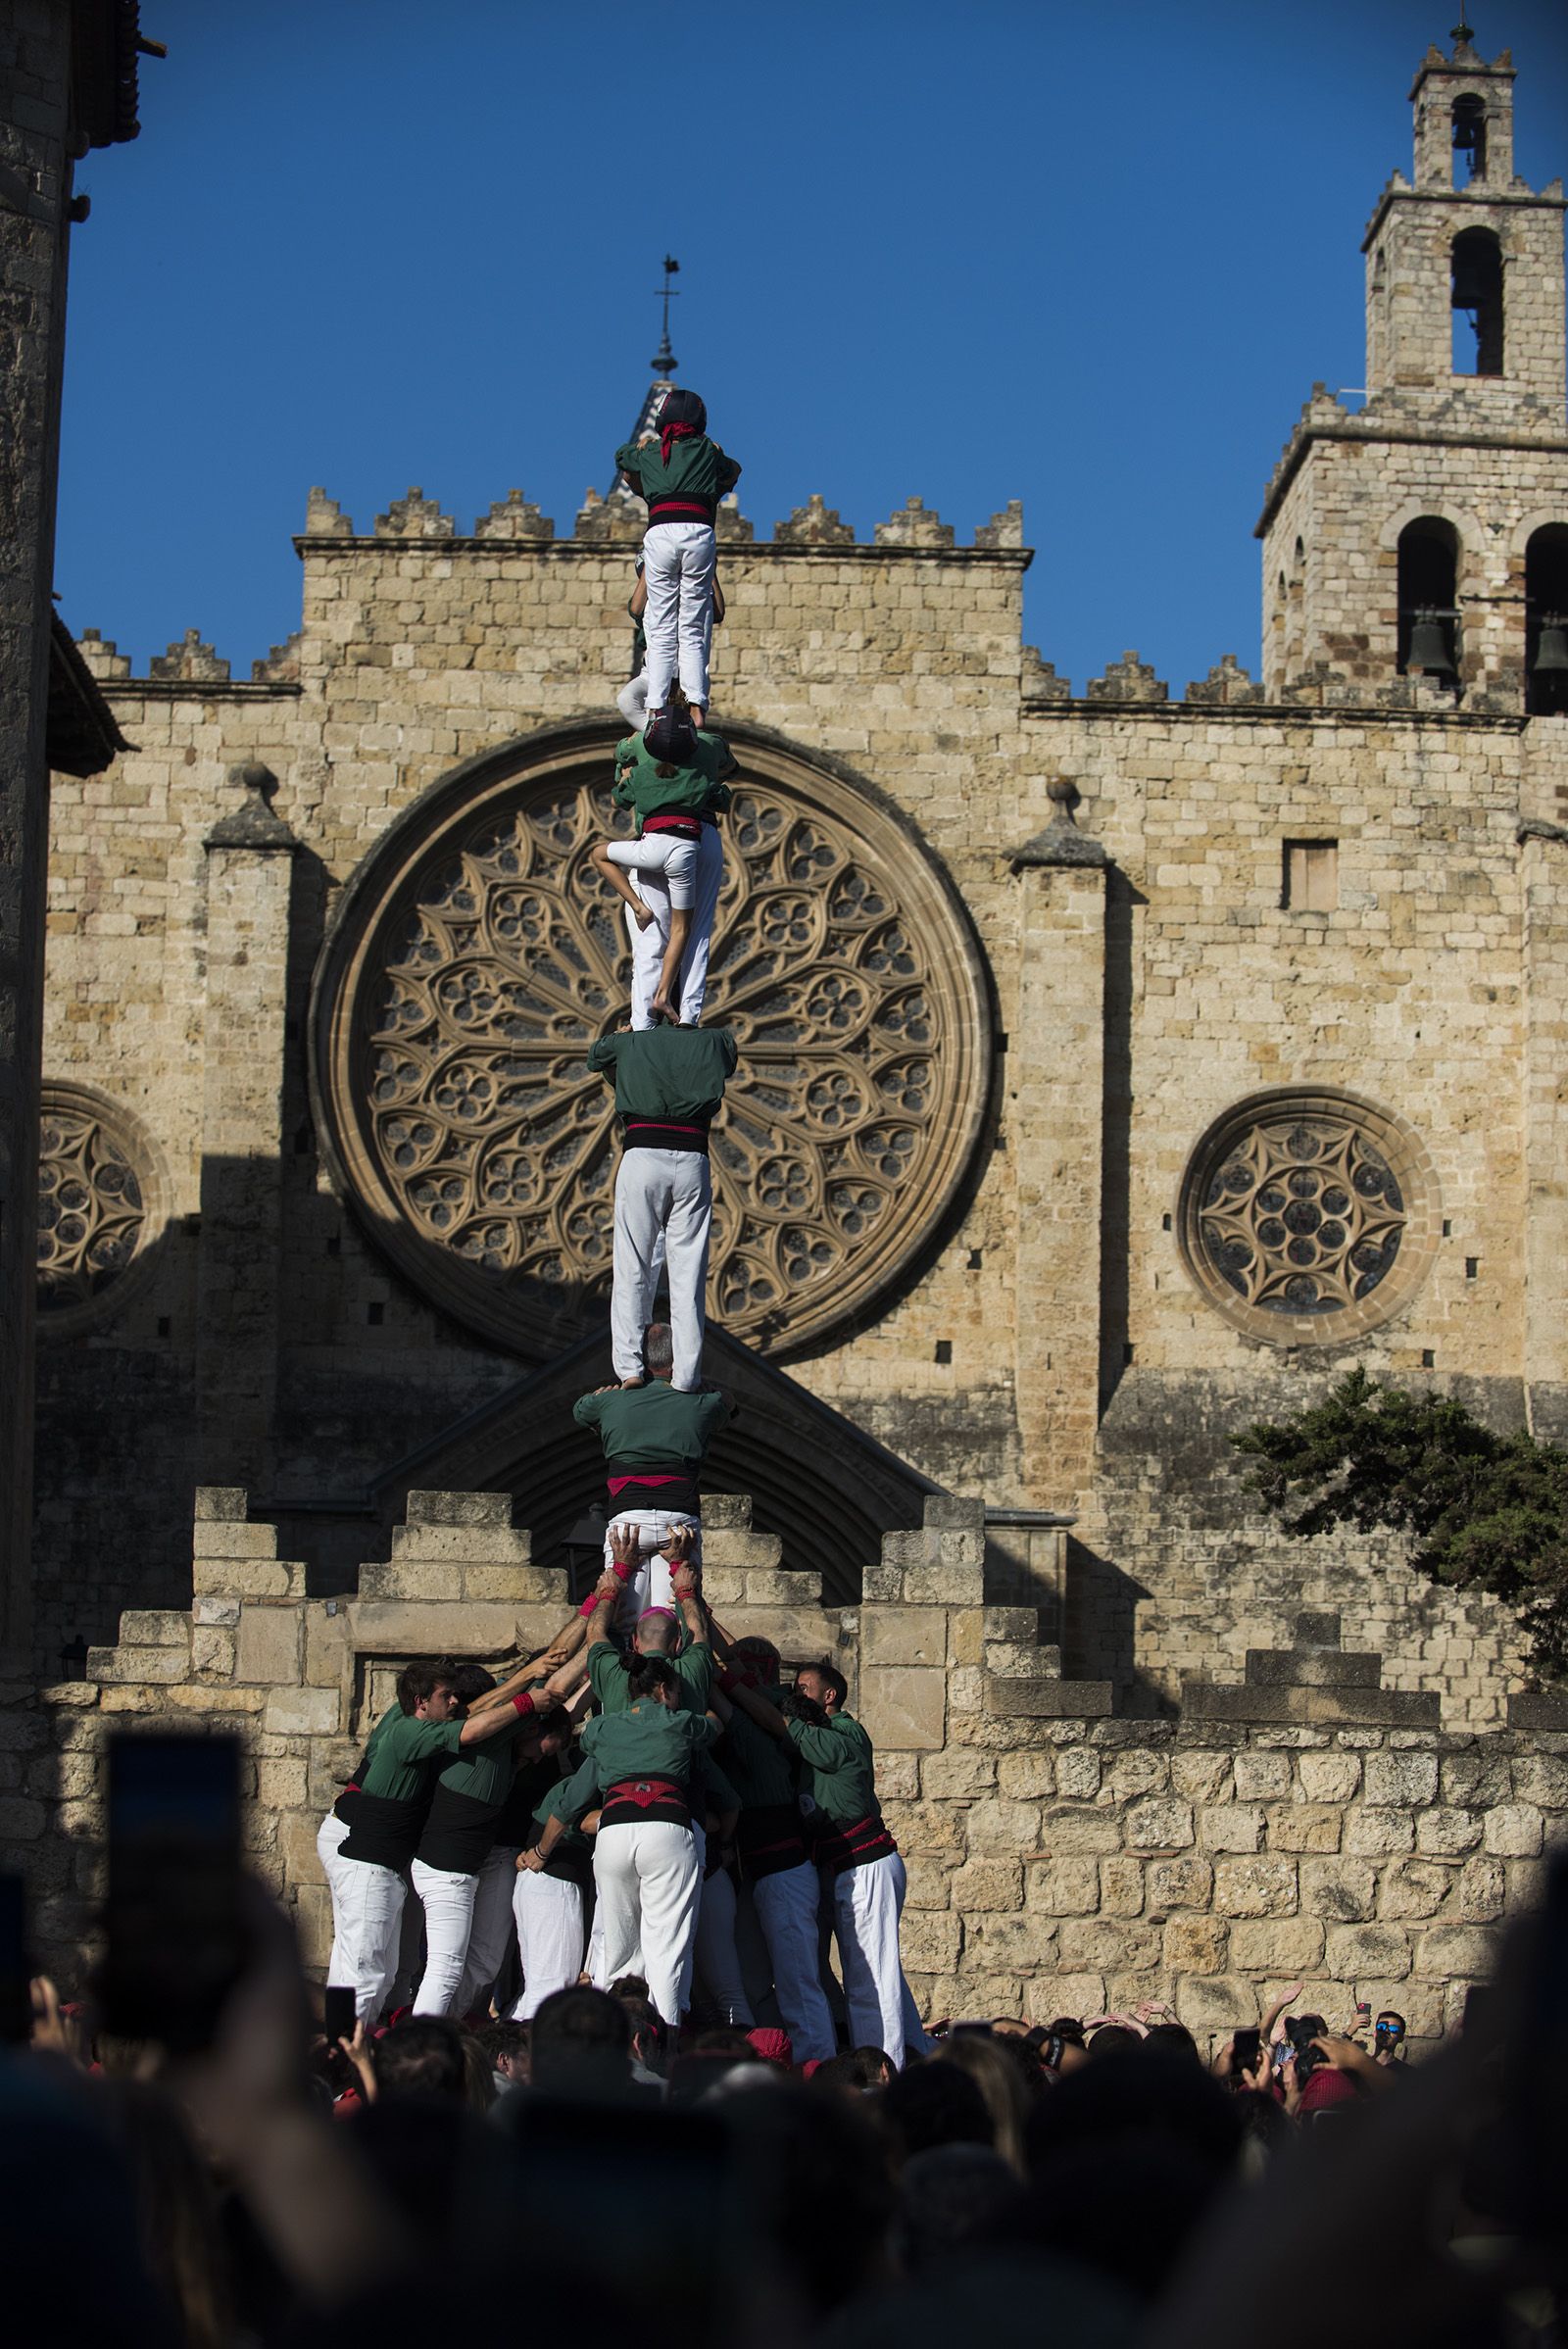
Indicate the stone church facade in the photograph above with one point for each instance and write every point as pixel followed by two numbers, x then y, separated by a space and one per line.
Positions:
pixel 1117 1067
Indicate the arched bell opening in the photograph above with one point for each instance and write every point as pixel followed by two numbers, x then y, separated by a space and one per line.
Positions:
pixel 1428 601
pixel 1546 621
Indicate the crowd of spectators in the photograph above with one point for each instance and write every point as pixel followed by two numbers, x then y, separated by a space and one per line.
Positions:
pixel 1092 2181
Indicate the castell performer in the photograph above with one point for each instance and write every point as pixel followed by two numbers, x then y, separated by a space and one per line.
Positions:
pixel 682 475
pixel 643 1770
pixel 774 1861
pixel 670 1085
pixel 671 873
pixel 369 1876
pixel 632 699
pixel 655 1439
pixel 853 1847
pixel 462 1875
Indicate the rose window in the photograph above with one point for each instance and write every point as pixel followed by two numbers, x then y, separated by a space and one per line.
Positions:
pixel 1308 1217
pixel 99 1201
pixel 479 956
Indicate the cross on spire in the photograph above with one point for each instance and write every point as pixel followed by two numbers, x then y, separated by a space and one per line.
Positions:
pixel 663 364
pixel 663 361
pixel 1462 35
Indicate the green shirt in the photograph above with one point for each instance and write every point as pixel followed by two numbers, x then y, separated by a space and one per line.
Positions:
pixel 840 1767
pixel 551 1808
pixel 483 1772
pixel 697 467
pixel 401 1750
pixel 653 1427
pixel 652 786
pixel 671 1075
pixel 612 1682
pixel 648 1740
pixel 758 1764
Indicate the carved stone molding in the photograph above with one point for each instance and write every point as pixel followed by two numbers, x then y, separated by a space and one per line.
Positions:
pixel 103 1201
pixel 476 957
pixel 1308 1217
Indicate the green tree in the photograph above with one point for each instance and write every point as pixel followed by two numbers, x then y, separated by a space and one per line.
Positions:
pixel 1486 1512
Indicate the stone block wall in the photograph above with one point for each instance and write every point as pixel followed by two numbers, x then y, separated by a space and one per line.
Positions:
pixel 1307 1821
pixel 36 67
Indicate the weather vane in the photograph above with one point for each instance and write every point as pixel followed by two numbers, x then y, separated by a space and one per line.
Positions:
pixel 664 363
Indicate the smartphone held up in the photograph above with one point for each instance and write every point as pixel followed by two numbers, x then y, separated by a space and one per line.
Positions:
pixel 173 1920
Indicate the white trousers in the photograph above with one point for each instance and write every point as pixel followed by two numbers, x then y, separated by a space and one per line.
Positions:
pixel 491 1928
pixel 786 1909
pixel 548 1916
pixel 328 1836
pixel 650 1585
pixel 667 1192
pixel 448 1899
pixel 717 1960
pixel 648 945
pixel 868 1902
pixel 648 1880
pixel 678 560
pixel 367 1913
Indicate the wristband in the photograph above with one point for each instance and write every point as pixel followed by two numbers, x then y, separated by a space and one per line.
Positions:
pixel 522 1705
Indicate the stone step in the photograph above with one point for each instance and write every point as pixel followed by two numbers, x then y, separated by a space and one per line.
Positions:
pixel 1299 1707
pixel 154 1627
pixel 1314 1668
pixel 1538 1710
pixel 1012 1661
pixel 1053 1699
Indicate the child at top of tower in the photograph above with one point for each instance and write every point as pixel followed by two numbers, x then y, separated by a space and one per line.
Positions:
pixel 682 475
pixel 671 872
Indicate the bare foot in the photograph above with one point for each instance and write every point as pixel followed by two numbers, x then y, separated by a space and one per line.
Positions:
pixel 661 1008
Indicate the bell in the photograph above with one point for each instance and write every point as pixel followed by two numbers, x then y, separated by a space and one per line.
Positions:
pixel 1552 646
pixel 1429 645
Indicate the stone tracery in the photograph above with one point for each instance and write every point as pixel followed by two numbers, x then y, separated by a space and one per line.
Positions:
pixel 1308 1217
pixel 97 1202
pixel 840 964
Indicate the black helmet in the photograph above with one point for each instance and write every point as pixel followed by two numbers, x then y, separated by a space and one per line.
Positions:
pixel 682 408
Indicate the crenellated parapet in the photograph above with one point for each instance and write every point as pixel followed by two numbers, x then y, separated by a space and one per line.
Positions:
pixel 514 516
pixel 915 525
pixel 813 524
pixel 1128 679
pixel 414 516
pixel 103 657
pixel 1227 684
pixel 188 660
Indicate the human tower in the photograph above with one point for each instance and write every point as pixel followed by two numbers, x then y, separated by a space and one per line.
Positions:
pixel 468 1791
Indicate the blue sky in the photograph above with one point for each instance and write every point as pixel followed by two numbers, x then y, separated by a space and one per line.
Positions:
pixel 1092 257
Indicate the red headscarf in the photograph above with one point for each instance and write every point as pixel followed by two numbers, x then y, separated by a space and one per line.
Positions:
pixel 669 432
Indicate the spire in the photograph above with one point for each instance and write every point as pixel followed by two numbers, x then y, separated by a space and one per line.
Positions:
pixel 663 361
pixel 663 364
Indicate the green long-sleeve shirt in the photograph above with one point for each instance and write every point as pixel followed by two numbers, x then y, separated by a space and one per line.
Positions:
pixel 483 1773
pixel 697 469
pixel 759 1765
pixel 840 1767
pixel 611 1682
pixel 648 1740
pixel 670 1076
pixel 401 1751
pixel 652 785
pixel 655 1427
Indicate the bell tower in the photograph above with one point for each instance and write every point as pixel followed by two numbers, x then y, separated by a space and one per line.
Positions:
pixel 1416 549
